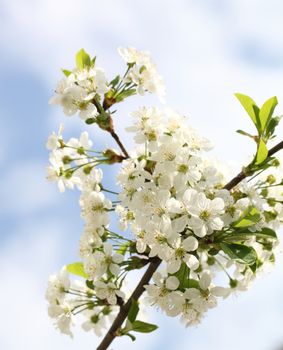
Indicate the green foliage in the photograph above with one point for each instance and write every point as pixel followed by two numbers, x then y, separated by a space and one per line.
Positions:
pixel 266 233
pixel 265 124
pixel 134 310
pixel 77 269
pixel 242 132
pixel 266 111
pixel 262 152
pixel 250 106
pixel 124 94
pixel 123 248
pixel 66 72
pixel 183 276
pixel 143 327
pixel 89 284
pixel 90 121
pixel 115 81
pixel 83 59
pixel 134 263
pixel 240 253
pixel 249 218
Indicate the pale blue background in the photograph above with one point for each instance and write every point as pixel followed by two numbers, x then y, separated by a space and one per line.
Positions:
pixel 206 50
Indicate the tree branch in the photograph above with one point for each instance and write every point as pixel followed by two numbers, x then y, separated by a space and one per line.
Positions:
pixel 124 310
pixel 117 139
pixel 241 176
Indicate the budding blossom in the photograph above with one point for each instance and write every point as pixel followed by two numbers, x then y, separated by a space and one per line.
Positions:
pixel 172 205
pixel 142 72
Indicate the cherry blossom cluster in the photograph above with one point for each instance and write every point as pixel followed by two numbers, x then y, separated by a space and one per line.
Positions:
pixel 208 240
pixel 173 200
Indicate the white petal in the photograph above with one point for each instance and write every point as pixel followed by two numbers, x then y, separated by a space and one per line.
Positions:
pixel 191 261
pixel 107 248
pixel 173 266
pixel 220 291
pixel 117 258
pixel 114 269
pixel 216 224
pixel 202 202
pixel 205 281
pixel 216 205
pixel 191 293
pixel 190 244
pixel 172 283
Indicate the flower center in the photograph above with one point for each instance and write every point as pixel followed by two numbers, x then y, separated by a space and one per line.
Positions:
pixel 205 215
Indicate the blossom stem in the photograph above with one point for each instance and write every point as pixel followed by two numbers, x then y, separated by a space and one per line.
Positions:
pixel 108 191
pixel 124 310
pixel 117 139
pixel 242 175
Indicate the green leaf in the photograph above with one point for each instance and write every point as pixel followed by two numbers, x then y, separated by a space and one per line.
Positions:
pixel 133 338
pixel 77 269
pixel 66 72
pixel 134 263
pixel 143 327
pixel 242 132
pixel 89 284
pixel 90 121
pixel 82 59
pixel 92 62
pixel 125 94
pixel 262 152
pixel 123 248
pixel 183 276
pixel 251 108
pixel 115 81
pixel 134 310
pixel 266 232
pixel 267 110
pixel 250 217
pixel 270 128
pixel 240 253
pixel 242 235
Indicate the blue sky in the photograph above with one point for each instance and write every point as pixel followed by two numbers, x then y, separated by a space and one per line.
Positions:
pixel 206 51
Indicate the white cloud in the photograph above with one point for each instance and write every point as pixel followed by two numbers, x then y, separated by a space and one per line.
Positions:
pixel 24 188
pixel 26 260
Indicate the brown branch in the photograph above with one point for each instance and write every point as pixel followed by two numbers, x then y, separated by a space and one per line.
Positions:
pixel 117 139
pixel 242 175
pixel 124 310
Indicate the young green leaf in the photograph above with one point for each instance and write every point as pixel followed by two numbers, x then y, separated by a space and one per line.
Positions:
pixel 183 275
pixel 82 59
pixel 267 110
pixel 262 152
pixel 251 108
pixel 270 128
pixel 249 218
pixel 267 232
pixel 115 81
pixel 242 132
pixel 123 248
pixel 66 72
pixel 125 94
pixel 143 327
pixel 77 269
pixel 89 284
pixel 90 121
pixel 133 338
pixel 240 253
pixel 134 310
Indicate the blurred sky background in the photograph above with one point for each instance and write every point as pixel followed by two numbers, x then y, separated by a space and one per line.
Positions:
pixel 206 50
